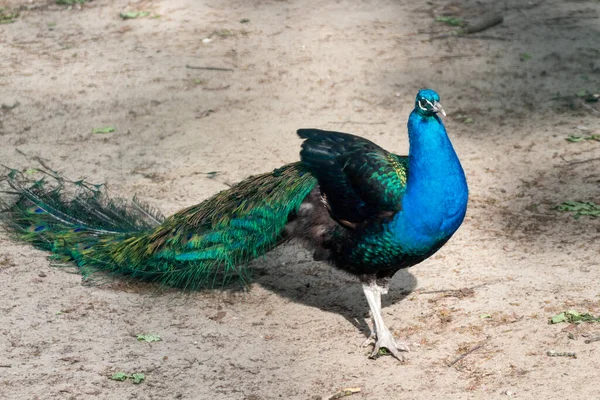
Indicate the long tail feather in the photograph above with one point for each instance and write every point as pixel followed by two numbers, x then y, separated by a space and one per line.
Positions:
pixel 196 247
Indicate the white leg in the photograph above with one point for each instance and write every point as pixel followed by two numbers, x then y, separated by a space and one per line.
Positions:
pixel 384 337
pixel 374 300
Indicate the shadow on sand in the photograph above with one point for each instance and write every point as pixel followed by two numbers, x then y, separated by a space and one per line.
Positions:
pixel 291 273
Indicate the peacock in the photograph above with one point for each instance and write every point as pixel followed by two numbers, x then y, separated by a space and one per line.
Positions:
pixel 361 209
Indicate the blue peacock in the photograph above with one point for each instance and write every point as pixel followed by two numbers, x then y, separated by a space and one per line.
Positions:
pixel 356 206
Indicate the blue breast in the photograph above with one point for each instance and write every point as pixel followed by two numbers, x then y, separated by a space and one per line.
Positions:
pixel 435 201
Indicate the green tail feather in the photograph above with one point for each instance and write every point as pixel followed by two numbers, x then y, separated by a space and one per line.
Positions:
pixel 200 246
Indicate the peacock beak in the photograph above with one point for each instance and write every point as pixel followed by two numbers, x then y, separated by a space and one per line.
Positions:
pixel 437 107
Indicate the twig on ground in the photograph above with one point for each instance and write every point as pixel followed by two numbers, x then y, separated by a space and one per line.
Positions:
pixel 443 57
pixel 462 356
pixel 343 393
pixel 590 108
pixel 446 291
pixel 462 290
pixel 483 24
pixel 590 340
pixel 42 163
pixel 209 68
pixel 569 354
pixel 485 37
pixel 444 36
pixel 214 89
pixel 21 152
pixel 480 26
pixel 563 17
pixel 583 161
pixel 5 365
pixel 205 113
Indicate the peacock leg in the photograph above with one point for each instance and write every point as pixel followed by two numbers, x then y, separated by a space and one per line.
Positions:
pixel 372 339
pixel 385 339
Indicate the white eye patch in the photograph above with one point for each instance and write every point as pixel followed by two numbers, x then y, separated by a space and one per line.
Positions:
pixel 421 106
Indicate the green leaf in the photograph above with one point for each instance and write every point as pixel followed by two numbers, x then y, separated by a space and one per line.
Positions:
pixel 485 316
pixel 7 18
pixel 525 56
pixel 573 317
pixel 148 338
pixel 465 119
pixel 106 129
pixel 581 93
pixel 133 14
pixel 558 318
pixel 383 352
pixel 574 138
pixel 451 21
pixel 120 376
pixel 244 21
pixel 129 15
pixel 579 208
pixel 138 378
pixel 70 2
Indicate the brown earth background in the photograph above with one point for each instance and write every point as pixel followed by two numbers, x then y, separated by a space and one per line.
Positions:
pixel 513 94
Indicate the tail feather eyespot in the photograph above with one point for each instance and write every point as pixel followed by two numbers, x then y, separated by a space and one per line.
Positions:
pixel 37 228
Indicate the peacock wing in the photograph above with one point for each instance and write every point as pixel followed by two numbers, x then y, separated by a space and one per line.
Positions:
pixel 379 178
pixel 360 180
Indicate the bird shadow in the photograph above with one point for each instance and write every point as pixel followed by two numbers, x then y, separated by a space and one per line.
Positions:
pixel 291 273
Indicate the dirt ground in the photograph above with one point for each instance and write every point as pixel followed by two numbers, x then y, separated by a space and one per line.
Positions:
pixel 513 94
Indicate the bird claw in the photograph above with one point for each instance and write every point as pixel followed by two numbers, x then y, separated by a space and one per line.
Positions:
pixel 370 340
pixel 386 341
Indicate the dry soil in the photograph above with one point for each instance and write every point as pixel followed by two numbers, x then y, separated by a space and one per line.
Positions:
pixel 513 93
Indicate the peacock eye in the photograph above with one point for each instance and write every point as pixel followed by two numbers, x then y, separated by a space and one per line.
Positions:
pixel 423 104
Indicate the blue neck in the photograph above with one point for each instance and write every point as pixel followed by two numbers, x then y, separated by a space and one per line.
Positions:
pixel 435 200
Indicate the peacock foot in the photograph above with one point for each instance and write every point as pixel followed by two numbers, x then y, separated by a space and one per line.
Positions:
pixel 370 340
pixel 385 340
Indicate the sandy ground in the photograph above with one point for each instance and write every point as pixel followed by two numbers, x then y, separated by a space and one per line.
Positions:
pixel 350 65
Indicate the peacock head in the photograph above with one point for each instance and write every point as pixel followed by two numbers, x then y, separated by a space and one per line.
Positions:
pixel 428 103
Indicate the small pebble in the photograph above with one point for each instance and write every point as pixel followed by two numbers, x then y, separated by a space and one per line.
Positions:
pixel 42 275
pixel 9 105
